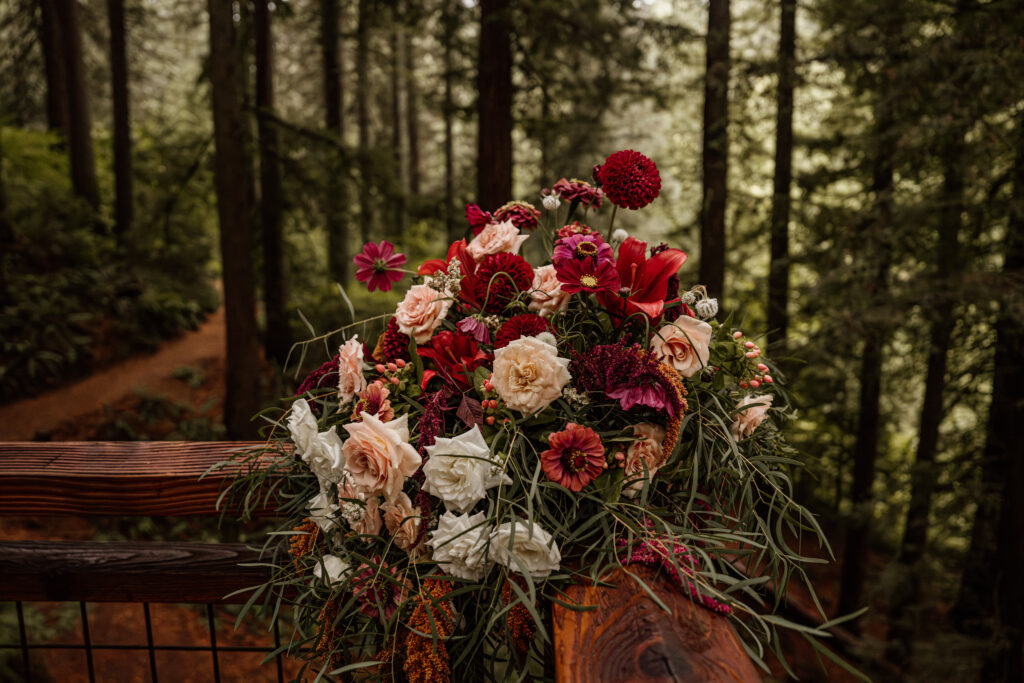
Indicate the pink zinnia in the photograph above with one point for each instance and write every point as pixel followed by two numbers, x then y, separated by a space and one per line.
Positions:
pixel 583 246
pixel 379 265
pixel 575 457
pixel 588 275
pixel 379 589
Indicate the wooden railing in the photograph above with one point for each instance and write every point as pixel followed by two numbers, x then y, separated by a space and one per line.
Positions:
pixel 626 638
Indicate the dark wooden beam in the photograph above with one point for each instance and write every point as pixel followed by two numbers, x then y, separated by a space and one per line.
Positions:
pixel 127 572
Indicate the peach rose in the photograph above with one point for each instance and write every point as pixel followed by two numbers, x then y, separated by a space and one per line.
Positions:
pixel 403 521
pixel 546 295
pixel 683 345
pixel 644 455
pixel 370 523
pixel 378 456
pixel 496 238
pixel 350 370
pixel 752 411
pixel 421 311
pixel 529 375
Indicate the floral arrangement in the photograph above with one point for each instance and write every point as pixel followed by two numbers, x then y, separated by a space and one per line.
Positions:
pixel 518 427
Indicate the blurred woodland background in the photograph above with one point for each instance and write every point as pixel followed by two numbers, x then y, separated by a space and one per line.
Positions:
pixel 846 174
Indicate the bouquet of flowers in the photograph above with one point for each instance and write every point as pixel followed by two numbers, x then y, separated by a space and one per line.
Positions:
pixel 518 427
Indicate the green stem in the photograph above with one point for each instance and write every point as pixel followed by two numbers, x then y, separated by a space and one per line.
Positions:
pixel 611 223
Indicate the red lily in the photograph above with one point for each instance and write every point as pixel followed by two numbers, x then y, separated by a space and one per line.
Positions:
pixel 457 250
pixel 644 280
pixel 455 356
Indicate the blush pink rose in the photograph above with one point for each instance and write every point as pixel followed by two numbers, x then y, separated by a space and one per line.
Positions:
pixel 683 344
pixel 378 456
pixel 495 239
pixel 350 370
pixel 402 521
pixel 421 311
pixel 644 455
pixel 752 411
pixel 546 295
pixel 370 523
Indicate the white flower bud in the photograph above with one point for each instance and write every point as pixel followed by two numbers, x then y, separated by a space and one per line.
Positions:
pixel 618 237
pixel 551 202
pixel 689 298
pixel 707 308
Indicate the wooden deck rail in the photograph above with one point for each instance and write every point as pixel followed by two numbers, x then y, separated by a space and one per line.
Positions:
pixel 627 638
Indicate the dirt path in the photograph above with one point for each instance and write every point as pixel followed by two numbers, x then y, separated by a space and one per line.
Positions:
pixel 152 374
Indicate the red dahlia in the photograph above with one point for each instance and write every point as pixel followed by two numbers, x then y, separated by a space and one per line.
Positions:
pixel 629 179
pixel 525 325
pixel 574 228
pixel 524 216
pixel 500 278
pixel 575 457
pixel 395 345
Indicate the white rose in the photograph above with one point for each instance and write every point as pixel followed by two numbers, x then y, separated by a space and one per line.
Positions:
pixel 519 546
pixel 752 411
pixel 322 511
pixel 683 345
pixel 350 370
pixel 529 374
pixel 302 426
pixel 325 457
pixel 336 569
pixel 460 470
pixel 459 545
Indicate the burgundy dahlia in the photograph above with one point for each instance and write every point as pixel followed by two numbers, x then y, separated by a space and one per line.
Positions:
pixel 629 375
pixel 629 179
pixel 577 190
pixel 575 457
pixel 395 345
pixel 582 246
pixel 524 216
pixel 587 275
pixel 324 376
pixel 524 325
pixel 499 280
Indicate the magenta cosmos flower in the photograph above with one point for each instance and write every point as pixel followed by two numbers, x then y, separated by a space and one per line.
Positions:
pixel 575 457
pixel 379 266
pixel 587 275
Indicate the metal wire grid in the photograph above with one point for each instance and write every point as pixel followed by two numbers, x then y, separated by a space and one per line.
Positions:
pixel 150 647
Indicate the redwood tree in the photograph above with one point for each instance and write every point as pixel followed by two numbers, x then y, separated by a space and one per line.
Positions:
pixel 83 165
pixel 339 254
pixel 123 202
pixel 366 199
pixel 778 277
pixel 716 149
pixel 494 105
pixel 241 400
pixel 52 41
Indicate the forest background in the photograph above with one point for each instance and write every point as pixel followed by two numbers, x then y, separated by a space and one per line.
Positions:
pixel 845 174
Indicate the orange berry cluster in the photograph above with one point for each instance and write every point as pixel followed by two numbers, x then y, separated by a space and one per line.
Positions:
pixel 304 542
pixel 426 659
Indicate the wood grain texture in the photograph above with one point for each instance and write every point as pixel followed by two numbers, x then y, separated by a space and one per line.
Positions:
pixel 126 572
pixel 630 638
pixel 113 478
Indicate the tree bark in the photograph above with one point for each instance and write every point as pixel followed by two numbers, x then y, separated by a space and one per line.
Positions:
pixel 449 20
pixel 778 277
pixel 398 224
pixel 366 198
pixel 6 234
pixel 52 41
pixel 494 105
pixel 241 399
pixel 124 195
pixel 277 340
pixel 412 117
pixel 716 150
pixel 339 253
pixel 80 154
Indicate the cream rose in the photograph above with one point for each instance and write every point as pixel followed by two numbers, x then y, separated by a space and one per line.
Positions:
pixel 421 311
pixel 644 457
pixel 325 457
pixel 335 567
pixel 752 411
pixel 350 370
pixel 546 295
pixel 302 426
pixel 402 521
pixel 378 456
pixel 525 548
pixel 460 470
pixel 529 374
pixel 496 238
pixel 683 345
pixel 322 511
pixel 459 545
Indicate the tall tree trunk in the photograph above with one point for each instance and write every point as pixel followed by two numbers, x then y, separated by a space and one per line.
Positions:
pixel 124 199
pixel 778 278
pixel 716 150
pixel 366 198
pixel 865 450
pixel 339 253
pixel 6 234
pixel 83 165
pixel 412 116
pixel 52 40
pixel 494 105
pixel 923 476
pixel 449 21
pixel 398 217
pixel 277 340
pixel 990 601
pixel 241 400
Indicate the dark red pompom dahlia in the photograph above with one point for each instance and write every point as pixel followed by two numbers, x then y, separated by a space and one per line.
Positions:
pixel 524 325
pixel 629 179
pixel 523 215
pixel 500 278
pixel 395 345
